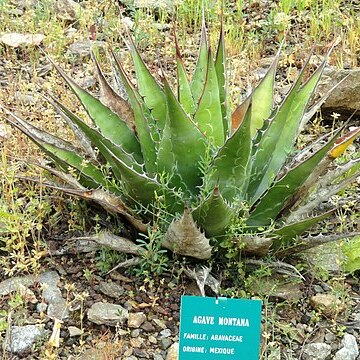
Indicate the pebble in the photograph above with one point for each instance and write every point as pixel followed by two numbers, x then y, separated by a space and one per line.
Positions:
pixel 173 352
pixel 316 351
pixel 74 331
pixel 107 314
pixel 23 337
pixel 165 343
pixel 111 289
pixel 135 333
pixel 165 333
pixel 349 350
pixel 327 304
pixel 148 326
pixel 135 320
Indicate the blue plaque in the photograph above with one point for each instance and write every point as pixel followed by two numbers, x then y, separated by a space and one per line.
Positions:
pixel 219 328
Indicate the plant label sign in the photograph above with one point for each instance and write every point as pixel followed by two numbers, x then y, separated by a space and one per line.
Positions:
pixel 219 328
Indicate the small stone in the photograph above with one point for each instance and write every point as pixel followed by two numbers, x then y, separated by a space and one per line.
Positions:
pixel 74 331
pixel 173 352
pixel 327 304
pixel 108 314
pixel 23 337
pixel 152 339
pixel 140 353
pixel 135 320
pixel 13 284
pixel 350 349
pixel 137 342
pixel 52 295
pixel 135 333
pixel 111 289
pixel 165 333
pixel 41 307
pixel 159 323
pixel 148 326
pixel 165 343
pixel 157 357
pixel 316 351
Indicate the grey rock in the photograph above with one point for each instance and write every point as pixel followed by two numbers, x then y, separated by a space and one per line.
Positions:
pixel 83 48
pixel 52 295
pixel 316 351
pixel 349 350
pixel 111 289
pixel 328 257
pixel 346 97
pixel 109 314
pixel 135 333
pixel 135 320
pixel 74 331
pixel 157 357
pixel 41 307
pixel 14 284
pixel 165 343
pixel 165 333
pixel 23 337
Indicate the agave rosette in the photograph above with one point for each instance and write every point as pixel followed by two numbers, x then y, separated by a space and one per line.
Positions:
pixel 204 164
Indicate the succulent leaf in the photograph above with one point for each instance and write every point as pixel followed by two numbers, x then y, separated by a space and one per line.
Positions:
pixel 183 237
pixel 111 99
pixel 188 143
pixel 289 232
pixel 184 91
pixel 279 138
pixel 149 89
pixel 214 215
pixel 208 115
pixel 220 68
pixel 270 205
pixel 198 80
pixel 109 123
pixel 145 125
pixel 232 162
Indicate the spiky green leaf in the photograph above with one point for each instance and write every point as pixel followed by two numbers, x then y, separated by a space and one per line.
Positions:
pixel 208 115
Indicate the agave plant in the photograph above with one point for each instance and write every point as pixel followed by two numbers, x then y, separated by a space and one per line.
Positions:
pixel 186 158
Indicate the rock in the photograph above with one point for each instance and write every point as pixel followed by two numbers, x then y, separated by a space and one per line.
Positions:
pixel 165 333
pixel 74 331
pixel 316 351
pixel 135 320
pixel 41 307
pixel 159 323
pixel 329 257
pixel 137 342
pixel 155 4
pixel 16 39
pixel 350 349
pixel 111 289
pixel 66 9
pixel 327 304
pixel 108 314
pixel 52 295
pixel 23 337
pixel 83 48
pixel 173 352
pixel 14 284
pixel 148 326
pixel 346 97
pixel 157 357
pixel 165 343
